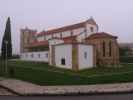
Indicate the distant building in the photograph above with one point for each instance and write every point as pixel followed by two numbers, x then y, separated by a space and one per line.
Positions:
pixel 77 46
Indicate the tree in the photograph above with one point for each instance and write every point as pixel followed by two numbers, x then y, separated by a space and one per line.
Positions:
pixel 124 51
pixel 6 49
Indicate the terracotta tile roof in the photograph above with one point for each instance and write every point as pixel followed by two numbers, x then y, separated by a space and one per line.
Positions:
pixel 37 44
pixel 62 29
pixel 100 35
pixel 75 43
pixel 69 27
pixel 69 39
pixel 45 43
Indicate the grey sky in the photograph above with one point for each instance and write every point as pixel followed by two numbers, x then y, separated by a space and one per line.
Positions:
pixel 115 16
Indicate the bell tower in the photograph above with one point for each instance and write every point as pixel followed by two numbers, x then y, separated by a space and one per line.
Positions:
pixel 27 36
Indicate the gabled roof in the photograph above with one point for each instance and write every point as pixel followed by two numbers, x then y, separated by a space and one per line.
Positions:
pixel 100 35
pixel 91 21
pixel 69 27
pixel 62 29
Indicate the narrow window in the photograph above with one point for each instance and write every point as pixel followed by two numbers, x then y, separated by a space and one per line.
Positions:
pixel 85 55
pixel 60 35
pixel 46 55
pixel 85 30
pixel 26 55
pixel 110 46
pixel 32 55
pixel 44 37
pixel 52 36
pixel 63 61
pixel 28 40
pixel 38 55
pixel 92 29
pixel 103 48
pixel 71 33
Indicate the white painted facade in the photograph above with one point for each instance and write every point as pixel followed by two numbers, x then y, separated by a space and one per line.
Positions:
pixel 63 52
pixel 81 36
pixel 41 38
pixel 88 27
pixel 48 37
pixel 35 56
pixel 53 42
pixel 85 52
pixel 88 32
pixel 57 35
pixel 81 33
pixel 78 31
pixel 66 34
pixel 85 59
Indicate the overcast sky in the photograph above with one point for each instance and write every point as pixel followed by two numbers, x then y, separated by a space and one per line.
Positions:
pixel 114 16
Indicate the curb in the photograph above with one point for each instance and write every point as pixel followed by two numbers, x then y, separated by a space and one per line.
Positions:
pixel 66 94
pixel 10 90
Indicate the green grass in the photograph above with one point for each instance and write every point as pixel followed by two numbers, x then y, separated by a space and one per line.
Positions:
pixel 43 74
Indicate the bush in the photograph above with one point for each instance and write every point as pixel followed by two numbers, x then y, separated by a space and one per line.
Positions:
pixel 15 57
pixel 126 59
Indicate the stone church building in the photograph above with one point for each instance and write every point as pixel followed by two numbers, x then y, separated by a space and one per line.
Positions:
pixel 78 46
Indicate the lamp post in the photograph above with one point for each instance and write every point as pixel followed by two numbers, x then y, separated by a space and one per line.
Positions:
pixel 6 42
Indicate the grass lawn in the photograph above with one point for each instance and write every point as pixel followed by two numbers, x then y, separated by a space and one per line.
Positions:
pixel 43 74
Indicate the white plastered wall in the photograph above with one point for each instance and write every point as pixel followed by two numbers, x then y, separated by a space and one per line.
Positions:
pixel 35 56
pixel 41 38
pixel 88 26
pixel 85 62
pixel 63 51
pixel 53 42
pixel 48 37
pixel 88 32
pixel 66 34
pixel 78 31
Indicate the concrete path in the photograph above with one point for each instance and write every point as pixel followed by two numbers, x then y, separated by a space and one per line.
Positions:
pixel 5 92
pixel 26 88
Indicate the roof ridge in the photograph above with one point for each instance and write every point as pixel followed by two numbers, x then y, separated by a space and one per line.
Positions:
pixel 69 27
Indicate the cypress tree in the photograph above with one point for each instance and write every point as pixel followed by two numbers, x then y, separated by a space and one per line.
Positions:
pixel 6 42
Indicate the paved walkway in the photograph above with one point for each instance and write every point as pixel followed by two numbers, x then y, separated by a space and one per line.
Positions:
pixel 4 92
pixel 25 88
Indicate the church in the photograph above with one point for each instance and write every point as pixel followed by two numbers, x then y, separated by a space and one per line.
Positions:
pixel 75 47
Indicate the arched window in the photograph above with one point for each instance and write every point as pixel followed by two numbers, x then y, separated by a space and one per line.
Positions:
pixel 103 48
pixel 60 35
pixel 85 55
pixel 92 29
pixel 46 55
pixel 110 46
pixel 39 55
pixel 32 55
pixel 71 33
pixel 44 37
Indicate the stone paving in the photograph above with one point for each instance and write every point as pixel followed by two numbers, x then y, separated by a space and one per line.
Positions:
pixel 4 92
pixel 25 88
